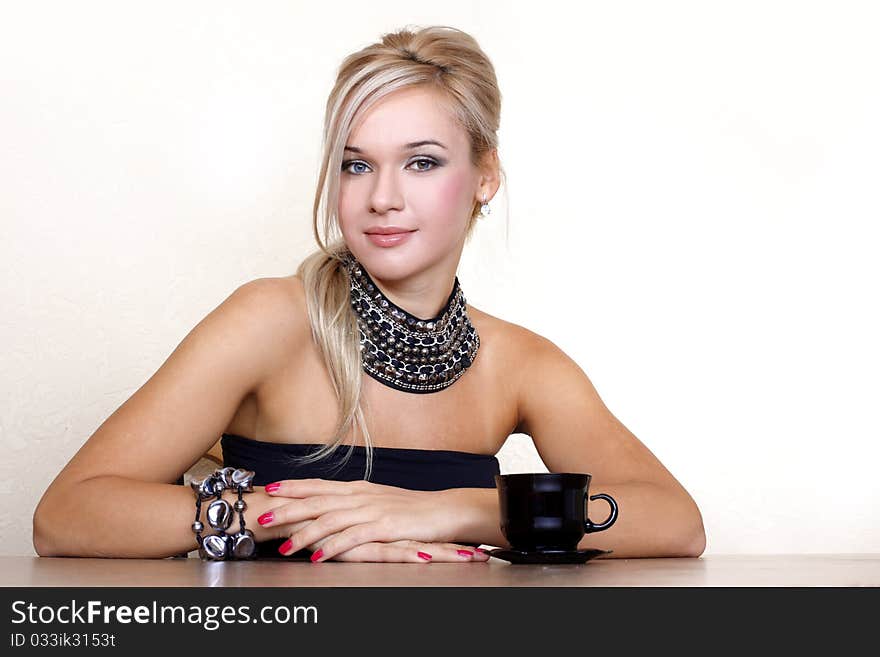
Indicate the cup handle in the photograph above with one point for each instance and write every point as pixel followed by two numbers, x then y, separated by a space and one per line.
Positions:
pixel 590 527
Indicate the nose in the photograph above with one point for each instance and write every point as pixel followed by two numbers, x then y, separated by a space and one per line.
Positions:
pixel 386 194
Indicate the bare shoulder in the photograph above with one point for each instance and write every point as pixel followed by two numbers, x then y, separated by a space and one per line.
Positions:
pixel 265 322
pixel 279 293
pixel 524 357
pixel 177 414
pixel 276 307
pixel 510 348
pixel 516 341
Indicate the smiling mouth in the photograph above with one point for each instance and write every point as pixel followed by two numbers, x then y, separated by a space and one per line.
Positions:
pixel 385 240
pixel 391 232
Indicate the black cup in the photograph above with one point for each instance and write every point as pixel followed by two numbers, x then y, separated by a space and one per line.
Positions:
pixel 547 511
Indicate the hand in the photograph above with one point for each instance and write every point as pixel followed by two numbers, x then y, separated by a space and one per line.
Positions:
pixel 346 515
pixel 408 552
pixel 404 551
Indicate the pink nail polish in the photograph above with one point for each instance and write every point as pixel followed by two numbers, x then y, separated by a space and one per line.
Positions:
pixel 266 518
pixel 465 553
pixel 285 546
pixel 425 556
pixel 317 555
pixel 482 550
pixel 271 488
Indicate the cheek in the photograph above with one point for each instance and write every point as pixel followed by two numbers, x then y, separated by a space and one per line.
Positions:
pixel 449 197
pixel 347 210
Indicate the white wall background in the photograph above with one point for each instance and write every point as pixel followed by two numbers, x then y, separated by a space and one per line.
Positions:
pixel 693 218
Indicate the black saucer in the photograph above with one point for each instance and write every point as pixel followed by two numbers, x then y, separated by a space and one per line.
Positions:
pixel 546 556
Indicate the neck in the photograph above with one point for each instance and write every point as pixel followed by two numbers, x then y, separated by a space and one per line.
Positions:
pixel 425 298
pixel 423 294
pixel 401 344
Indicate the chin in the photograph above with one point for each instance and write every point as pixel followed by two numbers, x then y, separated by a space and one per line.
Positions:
pixel 385 270
pixel 388 266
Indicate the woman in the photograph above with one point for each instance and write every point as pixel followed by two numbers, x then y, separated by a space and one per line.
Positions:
pixel 370 347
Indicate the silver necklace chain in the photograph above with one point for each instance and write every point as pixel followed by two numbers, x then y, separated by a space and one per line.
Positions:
pixel 406 352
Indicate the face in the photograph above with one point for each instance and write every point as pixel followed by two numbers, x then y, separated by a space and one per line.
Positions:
pixel 428 189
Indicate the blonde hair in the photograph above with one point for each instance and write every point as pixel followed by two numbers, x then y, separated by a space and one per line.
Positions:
pixel 445 60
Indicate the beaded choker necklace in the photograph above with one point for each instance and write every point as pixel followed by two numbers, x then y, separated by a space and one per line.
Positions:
pixel 406 352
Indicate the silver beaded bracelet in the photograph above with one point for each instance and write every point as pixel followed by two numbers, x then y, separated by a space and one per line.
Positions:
pixel 223 546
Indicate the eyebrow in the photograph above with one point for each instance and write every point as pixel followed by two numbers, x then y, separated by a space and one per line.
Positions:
pixel 406 147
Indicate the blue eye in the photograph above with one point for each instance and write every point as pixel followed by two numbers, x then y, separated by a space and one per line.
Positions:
pixel 350 163
pixel 345 165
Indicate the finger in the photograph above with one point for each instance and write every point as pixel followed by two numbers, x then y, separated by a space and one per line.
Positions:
pixel 409 552
pixel 351 527
pixel 453 552
pixel 481 554
pixel 310 487
pixel 306 509
pixel 371 531
pixel 284 531
pixel 385 553
pixel 465 552
pixel 284 550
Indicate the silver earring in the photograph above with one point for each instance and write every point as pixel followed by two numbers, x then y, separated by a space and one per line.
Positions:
pixel 484 209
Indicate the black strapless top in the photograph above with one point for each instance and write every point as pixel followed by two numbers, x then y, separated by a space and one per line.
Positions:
pixel 415 469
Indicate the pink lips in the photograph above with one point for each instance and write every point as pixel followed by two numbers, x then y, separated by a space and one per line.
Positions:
pixel 391 239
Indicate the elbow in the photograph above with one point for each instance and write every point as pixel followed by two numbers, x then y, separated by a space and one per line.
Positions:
pixel 696 544
pixel 40 538
pixel 45 543
pixel 42 546
pixel 687 535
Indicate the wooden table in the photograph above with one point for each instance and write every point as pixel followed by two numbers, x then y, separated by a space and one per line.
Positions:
pixel 828 570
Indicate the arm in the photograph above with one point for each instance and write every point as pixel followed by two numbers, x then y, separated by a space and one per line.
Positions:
pixel 574 431
pixel 138 519
pixel 115 497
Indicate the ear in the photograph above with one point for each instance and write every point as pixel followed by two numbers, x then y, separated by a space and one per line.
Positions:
pixel 490 177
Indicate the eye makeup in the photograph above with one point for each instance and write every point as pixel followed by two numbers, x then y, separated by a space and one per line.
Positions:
pixel 434 162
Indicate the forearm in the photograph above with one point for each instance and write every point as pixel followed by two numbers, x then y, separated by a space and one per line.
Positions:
pixel 473 516
pixel 653 521
pixel 113 516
